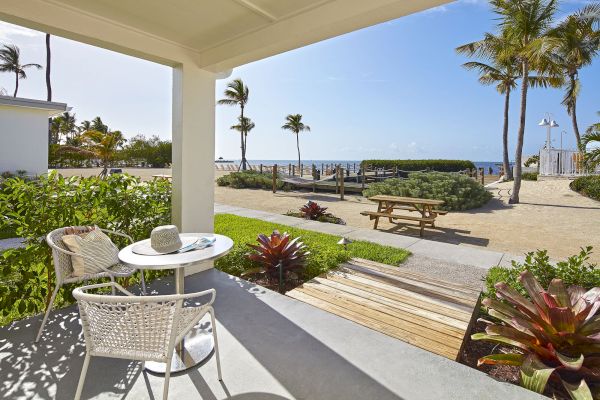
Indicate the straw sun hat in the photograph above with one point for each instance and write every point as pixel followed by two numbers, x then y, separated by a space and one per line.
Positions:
pixel 164 240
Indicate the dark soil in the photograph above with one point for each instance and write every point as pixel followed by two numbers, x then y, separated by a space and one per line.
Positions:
pixel 332 219
pixel 475 349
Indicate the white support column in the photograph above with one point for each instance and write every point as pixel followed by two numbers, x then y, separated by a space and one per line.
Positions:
pixel 193 148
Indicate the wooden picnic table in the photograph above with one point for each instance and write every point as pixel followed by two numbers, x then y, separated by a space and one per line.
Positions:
pixel 387 205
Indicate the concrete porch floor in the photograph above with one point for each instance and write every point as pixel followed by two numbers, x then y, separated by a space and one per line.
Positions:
pixel 273 347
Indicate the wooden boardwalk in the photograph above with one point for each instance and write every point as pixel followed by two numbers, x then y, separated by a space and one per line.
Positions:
pixel 428 313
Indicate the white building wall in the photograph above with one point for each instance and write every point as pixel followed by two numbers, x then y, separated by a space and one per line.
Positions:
pixel 23 139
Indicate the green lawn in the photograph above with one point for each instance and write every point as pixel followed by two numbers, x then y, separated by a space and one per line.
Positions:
pixel 325 253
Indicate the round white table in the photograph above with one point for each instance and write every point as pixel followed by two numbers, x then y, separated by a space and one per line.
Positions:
pixel 198 345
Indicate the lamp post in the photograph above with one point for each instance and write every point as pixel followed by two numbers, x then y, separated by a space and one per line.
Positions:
pixel 561 139
pixel 549 123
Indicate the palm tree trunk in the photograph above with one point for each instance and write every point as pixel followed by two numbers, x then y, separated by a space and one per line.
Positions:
pixel 48 57
pixel 243 164
pixel 298 146
pixel 243 144
pixel 574 115
pixel 514 198
pixel 48 84
pixel 16 84
pixel 505 161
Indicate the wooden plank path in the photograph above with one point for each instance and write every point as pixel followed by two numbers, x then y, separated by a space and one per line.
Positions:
pixel 432 314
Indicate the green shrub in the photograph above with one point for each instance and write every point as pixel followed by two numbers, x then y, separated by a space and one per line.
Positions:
pixel 529 176
pixel 325 253
pixel 421 165
pixel 250 180
pixel 587 186
pixel 459 192
pixel 576 270
pixel 34 208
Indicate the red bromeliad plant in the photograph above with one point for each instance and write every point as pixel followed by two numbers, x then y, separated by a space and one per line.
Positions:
pixel 312 210
pixel 557 334
pixel 275 250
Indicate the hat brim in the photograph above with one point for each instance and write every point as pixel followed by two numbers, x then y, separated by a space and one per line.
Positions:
pixel 145 249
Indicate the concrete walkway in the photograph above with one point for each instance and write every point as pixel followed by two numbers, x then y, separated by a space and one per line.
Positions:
pixel 437 251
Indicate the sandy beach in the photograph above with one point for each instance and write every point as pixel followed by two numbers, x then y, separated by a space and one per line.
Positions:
pixel 550 216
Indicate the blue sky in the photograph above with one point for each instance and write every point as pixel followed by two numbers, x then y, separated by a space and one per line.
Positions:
pixel 392 90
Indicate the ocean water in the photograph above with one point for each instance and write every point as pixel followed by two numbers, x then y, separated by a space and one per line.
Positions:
pixel 495 165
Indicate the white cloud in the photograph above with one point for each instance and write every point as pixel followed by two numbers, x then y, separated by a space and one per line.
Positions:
pixel 9 31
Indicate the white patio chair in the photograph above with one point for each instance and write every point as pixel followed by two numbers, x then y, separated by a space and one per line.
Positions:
pixel 144 328
pixel 63 268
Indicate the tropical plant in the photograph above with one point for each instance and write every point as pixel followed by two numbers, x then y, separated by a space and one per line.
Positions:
pixel 526 24
pixel 458 191
pixel 244 126
pixel 312 210
pixel 10 61
pixel 32 208
pixel 578 43
pixel 575 270
pixel 236 94
pixel 535 159
pixel 556 334
pixel 592 135
pixel 295 125
pixel 280 257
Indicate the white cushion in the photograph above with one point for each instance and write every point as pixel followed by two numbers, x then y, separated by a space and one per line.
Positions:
pixel 99 251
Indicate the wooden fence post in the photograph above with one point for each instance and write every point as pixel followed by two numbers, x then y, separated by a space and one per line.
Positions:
pixel 314 175
pixel 261 169
pixel 482 171
pixel 301 169
pixel 275 178
pixel 341 174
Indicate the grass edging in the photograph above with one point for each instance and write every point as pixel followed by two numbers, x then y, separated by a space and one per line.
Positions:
pixel 325 254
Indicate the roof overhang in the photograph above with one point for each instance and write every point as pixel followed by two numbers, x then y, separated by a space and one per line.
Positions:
pixel 52 108
pixel 216 35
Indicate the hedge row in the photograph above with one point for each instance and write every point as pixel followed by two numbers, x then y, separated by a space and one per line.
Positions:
pixel 588 186
pixel 420 165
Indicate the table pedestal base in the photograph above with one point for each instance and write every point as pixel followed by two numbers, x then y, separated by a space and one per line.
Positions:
pixel 195 348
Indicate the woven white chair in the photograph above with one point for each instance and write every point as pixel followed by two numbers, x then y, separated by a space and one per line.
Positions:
pixel 63 267
pixel 144 328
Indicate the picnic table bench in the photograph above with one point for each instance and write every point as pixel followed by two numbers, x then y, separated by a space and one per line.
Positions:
pixel 387 205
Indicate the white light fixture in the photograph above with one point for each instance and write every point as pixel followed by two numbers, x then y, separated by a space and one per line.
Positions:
pixel 544 122
pixel 553 124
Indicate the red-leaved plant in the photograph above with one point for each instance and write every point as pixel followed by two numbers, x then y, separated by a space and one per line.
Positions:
pixel 312 210
pixel 275 252
pixel 556 334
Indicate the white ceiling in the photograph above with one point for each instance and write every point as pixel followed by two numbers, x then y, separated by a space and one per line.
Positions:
pixel 220 34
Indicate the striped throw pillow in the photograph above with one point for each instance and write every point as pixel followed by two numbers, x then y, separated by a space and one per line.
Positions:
pixel 98 250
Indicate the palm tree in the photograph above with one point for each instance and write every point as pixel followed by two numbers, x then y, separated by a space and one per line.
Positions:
pixel 578 44
pixel 98 145
pixel 526 24
pixel 68 125
pixel 244 126
pixel 10 61
pixel 502 71
pixel 98 125
pixel 294 123
pixel 237 94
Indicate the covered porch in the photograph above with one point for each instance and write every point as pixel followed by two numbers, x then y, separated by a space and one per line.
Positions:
pixel 272 347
